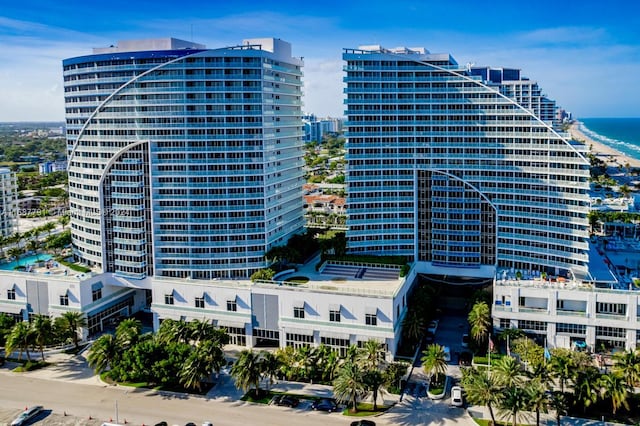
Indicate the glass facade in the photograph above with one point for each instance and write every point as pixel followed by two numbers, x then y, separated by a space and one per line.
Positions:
pixel 184 163
pixel 459 167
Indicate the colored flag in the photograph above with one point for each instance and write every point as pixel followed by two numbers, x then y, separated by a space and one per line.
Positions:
pixel 547 354
pixel 491 345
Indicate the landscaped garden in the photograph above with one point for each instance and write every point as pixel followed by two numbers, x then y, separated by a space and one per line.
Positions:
pixel 361 372
pixel 181 356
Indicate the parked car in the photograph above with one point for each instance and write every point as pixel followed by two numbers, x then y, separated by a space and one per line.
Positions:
pixel 27 415
pixel 465 358
pixel 285 401
pixel 325 404
pixel 456 396
pixel 465 340
pixel 447 353
pixel 163 423
pixel 289 401
pixel 191 424
pixel 207 424
pixel 433 326
pixel 363 422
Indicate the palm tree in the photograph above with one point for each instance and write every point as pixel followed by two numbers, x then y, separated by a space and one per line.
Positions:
pixel 15 252
pixel 513 402
pixel 373 380
pixel 19 338
pixel 64 220
pixel 558 402
pixel 42 329
pixel 508 371
pixel 331 366
pixel 482 389
pixel 128 332
pixel 246 371
pixel 48 227
pixel 562 367
pixel 536 398
pixel 614 386
pixel 200 330
pixel 103 352
pixel 413 324
pixel 73 322
pixel 371 355
pixel 349 385
pixel 587 387
pixel 287 358
pixel 433 360
pixel 269 366
pixel 201 363
pixel 480 322
pixel 539 371
pixel 627 364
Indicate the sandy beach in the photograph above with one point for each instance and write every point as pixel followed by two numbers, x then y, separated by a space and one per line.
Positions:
pixel 612 157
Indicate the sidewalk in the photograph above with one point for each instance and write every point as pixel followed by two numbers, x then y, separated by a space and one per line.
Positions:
pixel 547 419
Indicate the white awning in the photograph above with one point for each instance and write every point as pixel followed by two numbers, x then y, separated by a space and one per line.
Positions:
pixel 303 331
pixel 334 307
pixel 11 308
pixel 333 335
pixel 298 303
pixel 234 324
pixel 370 311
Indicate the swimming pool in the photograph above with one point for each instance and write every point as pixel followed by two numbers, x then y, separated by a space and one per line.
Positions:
pixel 24 261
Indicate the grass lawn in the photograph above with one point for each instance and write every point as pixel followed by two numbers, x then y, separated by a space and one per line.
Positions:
pixel 485 422
pixel 365 409
pixel 485 359
pixel 30 366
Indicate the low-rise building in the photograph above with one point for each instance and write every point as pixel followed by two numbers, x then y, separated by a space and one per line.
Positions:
pixel 340 306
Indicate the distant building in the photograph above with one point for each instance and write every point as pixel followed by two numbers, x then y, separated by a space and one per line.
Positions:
pixel 315 130
pixel 52 166
pixel 8 202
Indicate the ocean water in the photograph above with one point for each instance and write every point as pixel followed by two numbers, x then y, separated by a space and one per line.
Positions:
pixel 622 134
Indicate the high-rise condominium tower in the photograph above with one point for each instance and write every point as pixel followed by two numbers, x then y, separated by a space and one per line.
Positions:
pixel 184 161
pixel 8 202
pixel 460 168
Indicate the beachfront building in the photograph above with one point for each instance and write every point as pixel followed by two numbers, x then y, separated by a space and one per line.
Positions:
pixel 8 202
pixel 184 162
pixel 185 167
pixel 460 169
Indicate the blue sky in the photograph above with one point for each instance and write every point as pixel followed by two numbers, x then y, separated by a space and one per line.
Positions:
pixel 584 54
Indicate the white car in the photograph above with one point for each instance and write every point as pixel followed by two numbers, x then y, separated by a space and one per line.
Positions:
pixel 447 353
pixel 27 415
pixel 456 396
pixel 207 424
pixel 433 326
pixel 465 340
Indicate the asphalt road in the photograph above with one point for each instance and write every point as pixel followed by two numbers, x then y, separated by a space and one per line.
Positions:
pixel 138 406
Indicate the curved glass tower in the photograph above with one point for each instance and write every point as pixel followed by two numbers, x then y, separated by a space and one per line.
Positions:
pixel 184 161
pixel 461 169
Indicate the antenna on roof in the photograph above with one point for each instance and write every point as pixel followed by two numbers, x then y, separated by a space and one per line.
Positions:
pixel 469 65
pixel 191 33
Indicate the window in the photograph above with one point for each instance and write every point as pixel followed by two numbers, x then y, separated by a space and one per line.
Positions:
pixel 168 299
pixel 532 325
pixel 64 299
pixel 232 305
pixel 96 294
pixel 200 302
pixel 371 319
pixel 298 312
pixel 571 329
pixel 11 294
pixel 334 315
